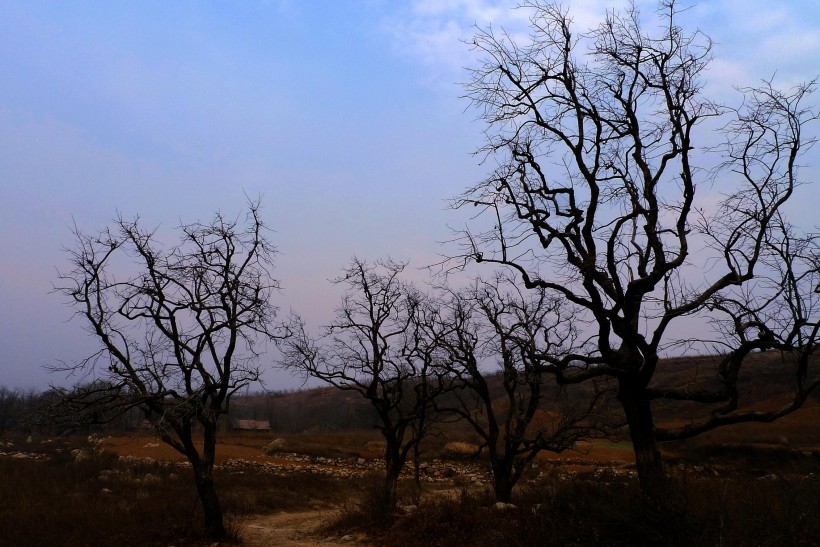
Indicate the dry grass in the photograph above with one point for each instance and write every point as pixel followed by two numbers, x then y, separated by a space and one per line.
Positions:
pixel 107 500
pixel 611 511
pixel 459 449
pixel 60 502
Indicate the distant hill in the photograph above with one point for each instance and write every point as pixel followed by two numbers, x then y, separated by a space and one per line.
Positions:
pixel 328 409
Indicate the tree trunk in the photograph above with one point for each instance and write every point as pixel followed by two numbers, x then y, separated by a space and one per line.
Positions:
pixel 642 432
pixel 502 484
pixel 211 510
pixel 393 464
pixel 502 468
pixel 390 491
pixel 204 478
pixel 417 472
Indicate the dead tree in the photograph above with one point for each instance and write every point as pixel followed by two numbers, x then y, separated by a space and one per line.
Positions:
pixel 384 346
pixel 179 328
pixel 598 199
pixel 515 409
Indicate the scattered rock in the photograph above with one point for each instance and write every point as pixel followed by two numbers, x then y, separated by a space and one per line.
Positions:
pixel 501 506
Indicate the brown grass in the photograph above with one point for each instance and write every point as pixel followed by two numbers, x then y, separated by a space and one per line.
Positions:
pixel 111 501
pixel 610 511
pixel 60 502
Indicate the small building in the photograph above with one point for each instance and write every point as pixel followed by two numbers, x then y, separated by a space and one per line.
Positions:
pixel 250 425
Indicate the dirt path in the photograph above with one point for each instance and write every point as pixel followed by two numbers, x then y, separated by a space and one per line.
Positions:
pixel 296 529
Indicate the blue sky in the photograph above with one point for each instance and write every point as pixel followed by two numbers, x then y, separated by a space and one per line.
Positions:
pixel 344 116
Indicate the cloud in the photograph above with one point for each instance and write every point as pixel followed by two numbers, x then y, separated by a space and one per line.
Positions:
pixel 435 33
pixel 756 40
pixel 753 38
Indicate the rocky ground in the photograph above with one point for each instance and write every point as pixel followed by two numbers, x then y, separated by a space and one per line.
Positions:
pixel 301 525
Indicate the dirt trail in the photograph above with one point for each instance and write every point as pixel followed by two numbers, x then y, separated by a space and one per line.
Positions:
pixel 295 529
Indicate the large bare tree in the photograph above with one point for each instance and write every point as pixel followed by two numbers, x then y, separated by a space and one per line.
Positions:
pixel 384 345
pixel 179 327
pixel 599 200
pixel 496 337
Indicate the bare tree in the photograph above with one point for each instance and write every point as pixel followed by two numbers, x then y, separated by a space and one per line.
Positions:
pixel 383 344
pixel 493 322
pixel 180 328
pixel 597 199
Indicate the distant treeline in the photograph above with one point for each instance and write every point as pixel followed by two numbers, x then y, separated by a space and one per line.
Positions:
pixel 26 412
pixel 329 409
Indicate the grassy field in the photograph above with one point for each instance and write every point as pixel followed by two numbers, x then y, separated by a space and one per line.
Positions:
pixel 749 484
pixel 135 492
pixel 107 500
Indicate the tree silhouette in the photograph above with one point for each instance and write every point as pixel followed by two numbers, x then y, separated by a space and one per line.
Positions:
pixel 179 329
pixel 598 199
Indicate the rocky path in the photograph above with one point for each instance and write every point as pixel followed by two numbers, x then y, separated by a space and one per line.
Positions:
pixel 297 529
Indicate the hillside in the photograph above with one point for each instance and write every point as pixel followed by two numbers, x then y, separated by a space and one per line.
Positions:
pixel 327 409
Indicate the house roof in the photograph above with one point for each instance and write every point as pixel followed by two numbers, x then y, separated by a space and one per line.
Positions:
pixel 258 425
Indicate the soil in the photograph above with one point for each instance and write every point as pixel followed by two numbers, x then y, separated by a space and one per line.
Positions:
pixel 296 529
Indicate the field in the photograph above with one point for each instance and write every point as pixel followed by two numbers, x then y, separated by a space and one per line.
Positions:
pixel 752 484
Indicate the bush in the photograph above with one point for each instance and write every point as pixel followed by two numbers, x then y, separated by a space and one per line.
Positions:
pixel 459 450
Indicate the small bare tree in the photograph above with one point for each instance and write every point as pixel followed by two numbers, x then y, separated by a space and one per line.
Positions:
pixel 598 200
pixel 516 410
pixel 383 345
pixel 179 328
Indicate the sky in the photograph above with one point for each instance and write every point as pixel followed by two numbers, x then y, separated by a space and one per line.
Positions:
pixel 344 116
